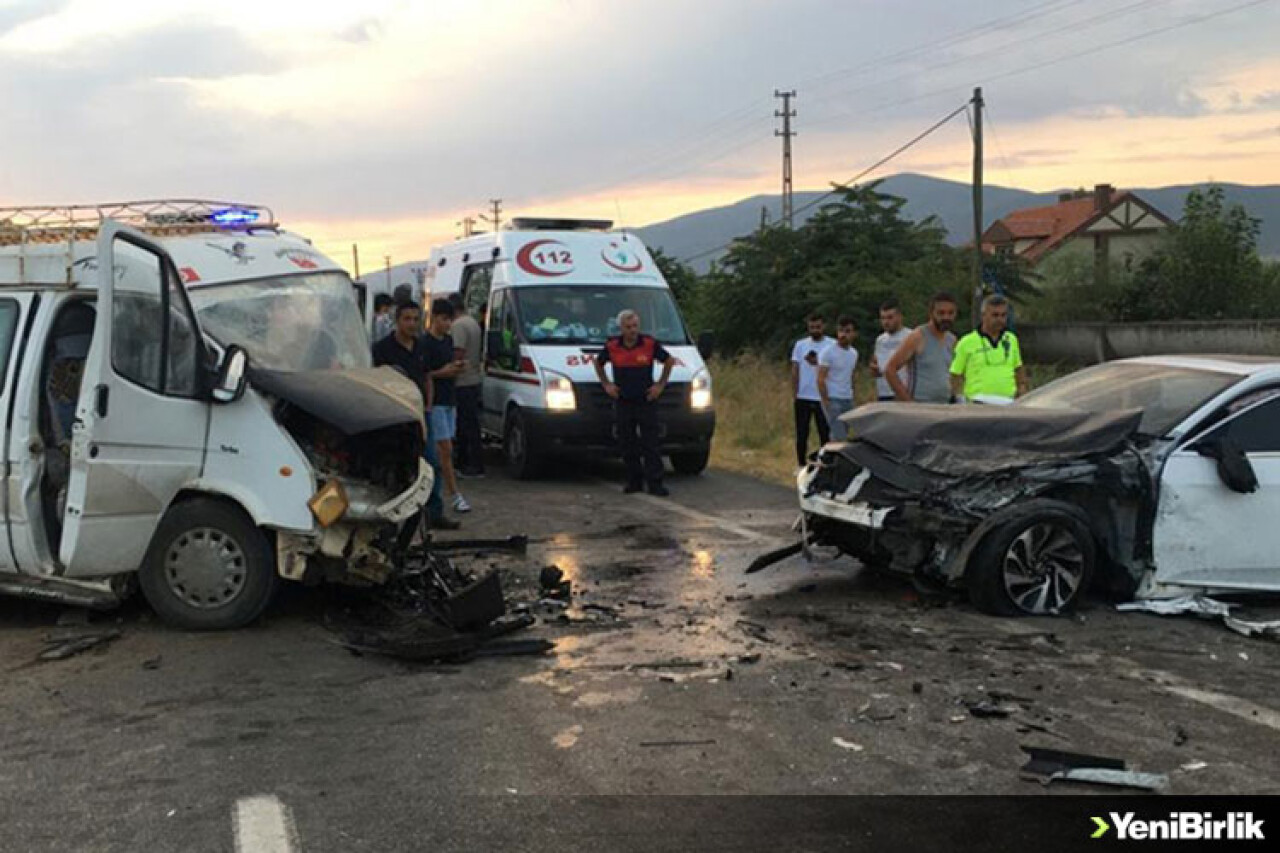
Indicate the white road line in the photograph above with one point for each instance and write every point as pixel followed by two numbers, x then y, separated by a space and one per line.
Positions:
pixel 263 824
pixel 710 520
pixel 1242 708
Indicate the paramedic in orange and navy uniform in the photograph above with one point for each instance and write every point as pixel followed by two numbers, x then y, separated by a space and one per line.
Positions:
pixel 635 397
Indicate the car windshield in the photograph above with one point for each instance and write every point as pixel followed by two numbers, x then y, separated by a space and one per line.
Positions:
pixel 588 313
pixel 1166 394
pixel 291 323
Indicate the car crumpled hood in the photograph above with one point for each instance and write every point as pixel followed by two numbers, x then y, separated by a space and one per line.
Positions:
pixel 959 441
pixel 352 400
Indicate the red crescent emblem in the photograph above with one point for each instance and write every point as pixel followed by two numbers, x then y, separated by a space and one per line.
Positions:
pixel 536 262
pixel 621 267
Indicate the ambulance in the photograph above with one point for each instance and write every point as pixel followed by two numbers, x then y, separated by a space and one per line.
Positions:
pixel 550 291
pixel 189 406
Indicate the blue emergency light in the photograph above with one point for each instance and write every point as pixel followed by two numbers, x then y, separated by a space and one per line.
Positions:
pixel 234 216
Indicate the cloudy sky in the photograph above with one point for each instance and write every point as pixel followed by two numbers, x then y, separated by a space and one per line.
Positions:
pixel 384 122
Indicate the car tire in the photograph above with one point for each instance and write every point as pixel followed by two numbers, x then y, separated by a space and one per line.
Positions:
pixel 518 449
pixel 691 462
pixel 1036 562
pixel 209 567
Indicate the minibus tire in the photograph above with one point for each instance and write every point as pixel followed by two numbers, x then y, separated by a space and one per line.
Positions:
pixel 208 531
pixel 518 450
pixel 692 462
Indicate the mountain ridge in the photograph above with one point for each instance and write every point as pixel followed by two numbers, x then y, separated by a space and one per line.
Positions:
pixel 696 234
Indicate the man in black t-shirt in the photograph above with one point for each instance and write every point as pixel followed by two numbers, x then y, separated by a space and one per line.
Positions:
pixel 635 396
pixel 403 349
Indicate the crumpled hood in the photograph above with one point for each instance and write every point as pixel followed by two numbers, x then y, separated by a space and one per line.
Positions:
pixel 965 440
pixel 353 401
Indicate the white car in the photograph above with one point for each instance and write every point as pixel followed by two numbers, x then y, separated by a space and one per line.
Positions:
pixel 1153 476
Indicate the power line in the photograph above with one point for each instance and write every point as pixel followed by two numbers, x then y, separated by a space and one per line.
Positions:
pixel 980 31
pixel 844 184
pixel 1074 26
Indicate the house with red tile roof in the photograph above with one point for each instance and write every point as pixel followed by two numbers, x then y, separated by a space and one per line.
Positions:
pixel 1106 224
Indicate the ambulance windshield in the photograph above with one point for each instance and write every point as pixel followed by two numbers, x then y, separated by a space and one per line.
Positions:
pixel 588 313
pixel 292 323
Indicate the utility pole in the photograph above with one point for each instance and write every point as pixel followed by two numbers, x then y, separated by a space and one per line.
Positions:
pixel 387 260
pixel 977 204
pixel 786 114
pixel 468 225
pixel 355 259
pixel 495 218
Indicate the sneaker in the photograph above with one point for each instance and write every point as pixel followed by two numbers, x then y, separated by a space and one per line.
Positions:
pixel 632 488
pixel 460 504
pixel 445 524
pixel 658 490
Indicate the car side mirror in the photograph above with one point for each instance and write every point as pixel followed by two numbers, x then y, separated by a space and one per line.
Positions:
pixel 1234 468
pixel 707 345
pixel 232 376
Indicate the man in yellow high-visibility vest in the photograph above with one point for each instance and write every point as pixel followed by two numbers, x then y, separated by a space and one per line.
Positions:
pixel 987 366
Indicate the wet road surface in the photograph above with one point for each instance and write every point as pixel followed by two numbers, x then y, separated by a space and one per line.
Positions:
pixel 673 673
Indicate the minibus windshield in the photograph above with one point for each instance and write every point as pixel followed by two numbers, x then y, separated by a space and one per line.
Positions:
pixel 291 323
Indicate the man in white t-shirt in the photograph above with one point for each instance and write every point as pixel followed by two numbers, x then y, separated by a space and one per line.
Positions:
pixel 804 385
pixel 886 345
pixel 835 376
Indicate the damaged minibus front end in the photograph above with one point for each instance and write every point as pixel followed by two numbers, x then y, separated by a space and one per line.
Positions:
pixel 362 433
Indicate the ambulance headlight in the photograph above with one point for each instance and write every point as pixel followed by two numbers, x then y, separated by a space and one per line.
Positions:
pixel 700 391
pixel 559 393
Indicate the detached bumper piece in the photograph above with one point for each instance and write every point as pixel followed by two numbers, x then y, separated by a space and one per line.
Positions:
pixel 430 610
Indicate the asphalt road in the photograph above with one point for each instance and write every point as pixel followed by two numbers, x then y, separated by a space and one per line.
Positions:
pixel 673 674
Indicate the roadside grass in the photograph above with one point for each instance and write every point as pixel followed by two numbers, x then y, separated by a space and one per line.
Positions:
pixel 754 427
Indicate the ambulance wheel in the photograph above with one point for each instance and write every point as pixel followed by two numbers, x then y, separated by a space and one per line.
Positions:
pixel 691 462
pixel 517 449
pixel 209 567
pixel 1038 562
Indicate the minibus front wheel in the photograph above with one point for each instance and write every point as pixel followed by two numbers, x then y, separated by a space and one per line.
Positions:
pixel 209 567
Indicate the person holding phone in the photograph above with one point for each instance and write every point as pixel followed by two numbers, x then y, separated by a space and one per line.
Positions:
pixel 444 365
pixel 804 385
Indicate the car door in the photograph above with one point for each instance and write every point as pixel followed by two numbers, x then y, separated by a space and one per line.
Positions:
pixel 142 417
pixel 1207 534
pixel 14 310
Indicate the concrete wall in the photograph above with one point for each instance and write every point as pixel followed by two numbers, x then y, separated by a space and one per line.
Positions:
pixel 1089 343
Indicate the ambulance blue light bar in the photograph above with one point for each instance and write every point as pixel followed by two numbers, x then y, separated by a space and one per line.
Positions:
pixel 234 216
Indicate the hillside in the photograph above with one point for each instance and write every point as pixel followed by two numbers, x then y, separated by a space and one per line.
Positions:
pixel 695 233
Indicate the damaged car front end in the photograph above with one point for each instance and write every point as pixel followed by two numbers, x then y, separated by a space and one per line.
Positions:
pixel 1017 506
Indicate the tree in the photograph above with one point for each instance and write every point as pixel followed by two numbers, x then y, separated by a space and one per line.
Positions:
pixel 1208 269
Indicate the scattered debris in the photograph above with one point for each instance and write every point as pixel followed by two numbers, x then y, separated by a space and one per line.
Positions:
pixel 432 611
pixel 987 710
pixel 958 718
pixel 749 657
pixel 518 545
pixel 1180 736
pixel 62 648
pixel 754 630
pixel 551 580
pixel 677 742
pixel 766 560
pixel 1192 766
pixel 152 663
pixel 1050 765
pixel 847 744
pixel 1210 608
pixel 917 687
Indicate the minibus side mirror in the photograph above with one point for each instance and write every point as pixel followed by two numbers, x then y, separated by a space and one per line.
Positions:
pixel 232 376
pixel 706 344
